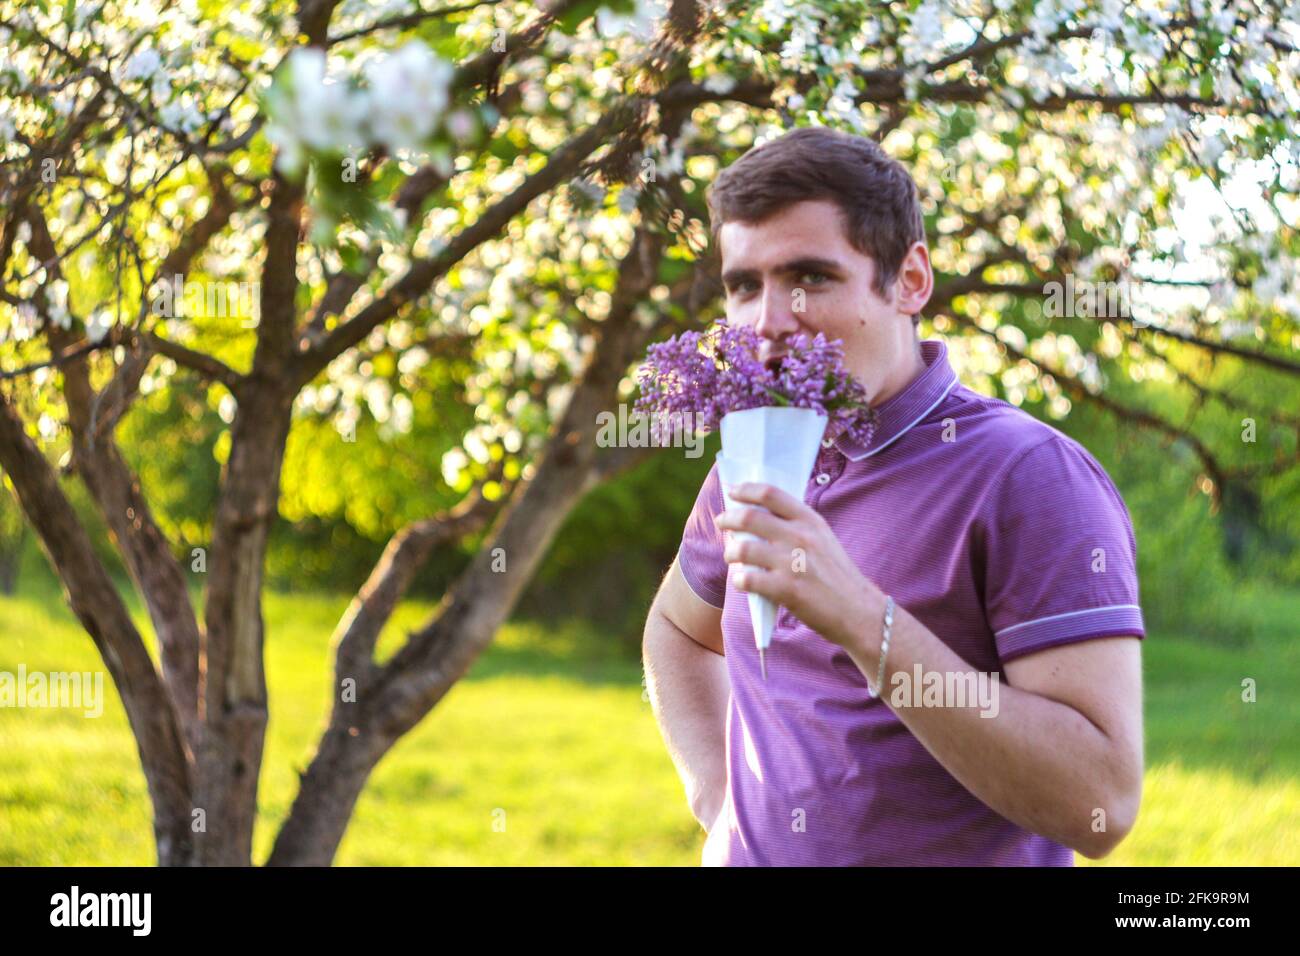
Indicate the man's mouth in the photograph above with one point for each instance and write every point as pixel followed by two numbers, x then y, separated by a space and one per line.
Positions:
pixel 773 362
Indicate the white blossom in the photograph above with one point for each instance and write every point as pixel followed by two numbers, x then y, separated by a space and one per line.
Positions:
pixel 25 322
pixel 642 23
pixel 98 324
pixel 327 114
pixel 1226 87
pixel 1271 285
pixel 339 114
pixel 161 86
pixel 181 115
pixel 57 298
pixel 926 34
pixel 409 92
pixel 794 52
pixel 314 112
pixel 776 12
pixel 48 427
pixel 1111 15
pixel 1212 150
pixel 1224 19
pixel 143 65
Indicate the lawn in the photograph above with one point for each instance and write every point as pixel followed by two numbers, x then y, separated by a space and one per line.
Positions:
pixel 547 753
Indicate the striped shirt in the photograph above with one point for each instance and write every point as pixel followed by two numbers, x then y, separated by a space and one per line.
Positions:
pixel 999 533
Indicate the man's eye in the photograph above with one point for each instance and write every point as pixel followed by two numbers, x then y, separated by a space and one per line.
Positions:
pixel 813 278
pixel 743 286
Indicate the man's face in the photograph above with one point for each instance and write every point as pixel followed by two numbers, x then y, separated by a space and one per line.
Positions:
pixel 796 272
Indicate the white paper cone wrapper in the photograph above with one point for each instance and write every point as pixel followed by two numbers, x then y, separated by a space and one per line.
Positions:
pixel 774 446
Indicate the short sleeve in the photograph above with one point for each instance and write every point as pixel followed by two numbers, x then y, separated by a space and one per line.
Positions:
pixel 700 555
pixel 1060 557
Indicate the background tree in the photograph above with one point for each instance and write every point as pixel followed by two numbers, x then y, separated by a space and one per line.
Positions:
pixel 401 281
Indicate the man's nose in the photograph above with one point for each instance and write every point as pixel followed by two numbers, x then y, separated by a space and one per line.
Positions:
pixel 776 314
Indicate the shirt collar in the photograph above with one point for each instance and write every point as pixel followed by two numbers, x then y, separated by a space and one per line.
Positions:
pixel 908 407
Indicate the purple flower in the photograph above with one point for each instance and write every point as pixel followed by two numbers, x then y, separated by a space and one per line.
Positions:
pixel 707 375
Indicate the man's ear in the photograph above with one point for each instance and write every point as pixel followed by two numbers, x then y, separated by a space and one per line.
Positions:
pixel 914 283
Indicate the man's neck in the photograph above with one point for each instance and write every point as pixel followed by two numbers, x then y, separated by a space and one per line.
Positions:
pixel 904 374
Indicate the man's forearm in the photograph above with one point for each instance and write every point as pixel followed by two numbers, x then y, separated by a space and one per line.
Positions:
pixel 689 693
pixel 1040 763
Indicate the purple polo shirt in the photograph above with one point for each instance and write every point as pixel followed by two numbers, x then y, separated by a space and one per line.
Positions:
pixel 985 524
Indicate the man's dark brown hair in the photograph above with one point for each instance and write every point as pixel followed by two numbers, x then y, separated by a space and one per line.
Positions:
pixel 877 196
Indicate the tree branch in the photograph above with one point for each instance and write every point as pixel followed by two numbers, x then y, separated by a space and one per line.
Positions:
pixel 424 272
pixel 1223 348
pixel 206 365
pixel 1139 417
pixel 358 631
pixel 407 20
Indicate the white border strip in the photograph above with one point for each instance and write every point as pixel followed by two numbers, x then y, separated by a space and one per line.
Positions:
pixel 951 385
pixel 1057 617
pixel 690 587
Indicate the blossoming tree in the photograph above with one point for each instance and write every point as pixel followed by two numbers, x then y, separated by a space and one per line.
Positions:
pixel 492 208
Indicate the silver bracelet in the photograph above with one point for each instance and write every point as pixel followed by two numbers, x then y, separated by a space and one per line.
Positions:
pixel 884 647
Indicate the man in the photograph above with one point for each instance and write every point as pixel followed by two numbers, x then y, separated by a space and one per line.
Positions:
pixel 1007 552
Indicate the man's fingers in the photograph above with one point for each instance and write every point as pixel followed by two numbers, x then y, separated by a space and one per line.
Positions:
pixel 761 553
pixel 780 503
pixel 754 520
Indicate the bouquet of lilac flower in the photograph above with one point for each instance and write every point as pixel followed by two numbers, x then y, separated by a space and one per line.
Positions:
pixel 704 376
pixel 772 413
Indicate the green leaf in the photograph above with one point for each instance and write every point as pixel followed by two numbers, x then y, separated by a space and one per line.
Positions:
pixel 503 149
pixel 354 260
pixel 569 23
pixel 672 270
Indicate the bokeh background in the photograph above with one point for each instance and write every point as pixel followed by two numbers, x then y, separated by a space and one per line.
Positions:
pixel 1148 142
pixel 553 721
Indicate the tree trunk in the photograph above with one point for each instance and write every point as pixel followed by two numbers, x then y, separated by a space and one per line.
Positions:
pixel 90 593
pixel 232 689
pixel 11 558
pixel 391 700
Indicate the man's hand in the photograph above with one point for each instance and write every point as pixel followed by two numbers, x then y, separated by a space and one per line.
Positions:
pixel 804 567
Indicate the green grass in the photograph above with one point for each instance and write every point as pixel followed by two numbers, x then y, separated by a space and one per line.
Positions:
pixel 549 733
pixel 1223 775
